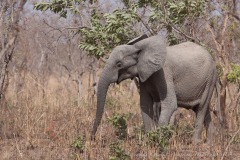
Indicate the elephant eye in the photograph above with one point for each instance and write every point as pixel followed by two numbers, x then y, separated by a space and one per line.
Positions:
pixel 119 64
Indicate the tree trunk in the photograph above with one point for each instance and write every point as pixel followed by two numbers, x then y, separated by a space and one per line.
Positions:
pixel 8 38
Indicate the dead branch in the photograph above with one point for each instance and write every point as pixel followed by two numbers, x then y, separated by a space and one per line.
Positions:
pixel 7 47
pixel 234 16
pixel 182 33
pixel 230 142
pixel 217 45
pixel 223 53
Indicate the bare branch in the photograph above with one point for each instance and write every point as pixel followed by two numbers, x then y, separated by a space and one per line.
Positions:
pixel 145 25
pixel 182 33
pixel 234 16
pixel 7 47
pixel 55 28
pixel 224 30
pixel 230 142
pixel 217 45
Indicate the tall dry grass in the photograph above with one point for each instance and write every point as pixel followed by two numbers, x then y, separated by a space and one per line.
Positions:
pixel 45 121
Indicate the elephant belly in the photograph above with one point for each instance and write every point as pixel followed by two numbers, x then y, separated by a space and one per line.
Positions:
pixel 188 104
pixel 190 96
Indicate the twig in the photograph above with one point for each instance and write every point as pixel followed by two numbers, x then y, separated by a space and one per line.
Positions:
pixel 232 139
pixel 61 30
pixel 35 81
pixel 20 153
pixel 146 26
pixel 224 30
pixel 54 28
pixel 104 60
pixel 182 33
pixel 9 45
pixel 214 38
pixel 237 103
pixel 235 16
pixel 179 31
pixel 79 27
pixel 34 124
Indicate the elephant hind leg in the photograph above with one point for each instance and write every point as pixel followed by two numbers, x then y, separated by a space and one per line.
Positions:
pixel 199 125
pixel 209 126
pixel 201 112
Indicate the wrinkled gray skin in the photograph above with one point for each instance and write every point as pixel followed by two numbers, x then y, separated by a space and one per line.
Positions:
pixel 181 75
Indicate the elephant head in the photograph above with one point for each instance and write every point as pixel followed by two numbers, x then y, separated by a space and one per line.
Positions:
pixel 141 57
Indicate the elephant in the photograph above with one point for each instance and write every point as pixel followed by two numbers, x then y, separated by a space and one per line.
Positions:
pixel 169 76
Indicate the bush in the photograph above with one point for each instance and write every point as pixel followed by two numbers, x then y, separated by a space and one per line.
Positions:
pixel 234 74
pixel 79 143
pixel 117 153
pixel 119 122
pixel 160 137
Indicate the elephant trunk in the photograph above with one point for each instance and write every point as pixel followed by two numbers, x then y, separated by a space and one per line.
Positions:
pixel 103 85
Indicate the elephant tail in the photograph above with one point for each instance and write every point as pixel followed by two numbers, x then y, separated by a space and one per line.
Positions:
pixel 219 110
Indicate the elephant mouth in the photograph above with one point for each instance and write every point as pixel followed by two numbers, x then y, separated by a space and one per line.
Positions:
pixel 120 79
pixel 124 74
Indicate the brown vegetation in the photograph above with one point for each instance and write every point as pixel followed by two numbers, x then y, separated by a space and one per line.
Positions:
pixel 49 99
pixel 36 127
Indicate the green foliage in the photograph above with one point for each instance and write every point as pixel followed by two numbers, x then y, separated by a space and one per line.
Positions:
pixel 79 143
pixel 108 31
pixel 59 6
pixel 173 12
pixel 234 74
pixel 237 139
pixel 117 153
pixel 179 10
pixel 160 137
pixel 172 39
pixel 119 122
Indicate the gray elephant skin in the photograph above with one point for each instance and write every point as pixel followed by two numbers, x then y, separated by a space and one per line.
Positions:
pixel 181 75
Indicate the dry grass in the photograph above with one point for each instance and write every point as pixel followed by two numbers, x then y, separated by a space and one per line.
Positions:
pixel 37 126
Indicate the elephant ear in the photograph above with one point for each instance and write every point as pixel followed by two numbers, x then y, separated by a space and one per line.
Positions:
pixel 151 57
pixel 135 40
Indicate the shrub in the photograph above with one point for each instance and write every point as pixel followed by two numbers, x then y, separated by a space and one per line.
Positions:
pixel 119 122
pixel 234 74
pixel 117 153
pixel 79 143
pixel 160 137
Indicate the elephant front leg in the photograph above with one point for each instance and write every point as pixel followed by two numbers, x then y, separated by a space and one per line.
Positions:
pixel 147 111
pixel 157 111
pixel 168 106
pixel 166 113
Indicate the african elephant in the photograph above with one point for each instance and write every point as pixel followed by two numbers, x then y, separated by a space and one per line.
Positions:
pixel 181 75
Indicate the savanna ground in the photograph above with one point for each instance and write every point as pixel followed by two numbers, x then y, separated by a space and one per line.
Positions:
pixel 42 114
pixel 52 122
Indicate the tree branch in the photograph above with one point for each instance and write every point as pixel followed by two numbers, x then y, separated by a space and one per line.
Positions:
pixel 234 16
pixel 182 33
pixel 232 139
pixel 7 47
pixel 224 30
pixel 146 26
pixel 214 38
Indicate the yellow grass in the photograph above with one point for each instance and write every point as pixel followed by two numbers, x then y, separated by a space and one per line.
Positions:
pixel 43 125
